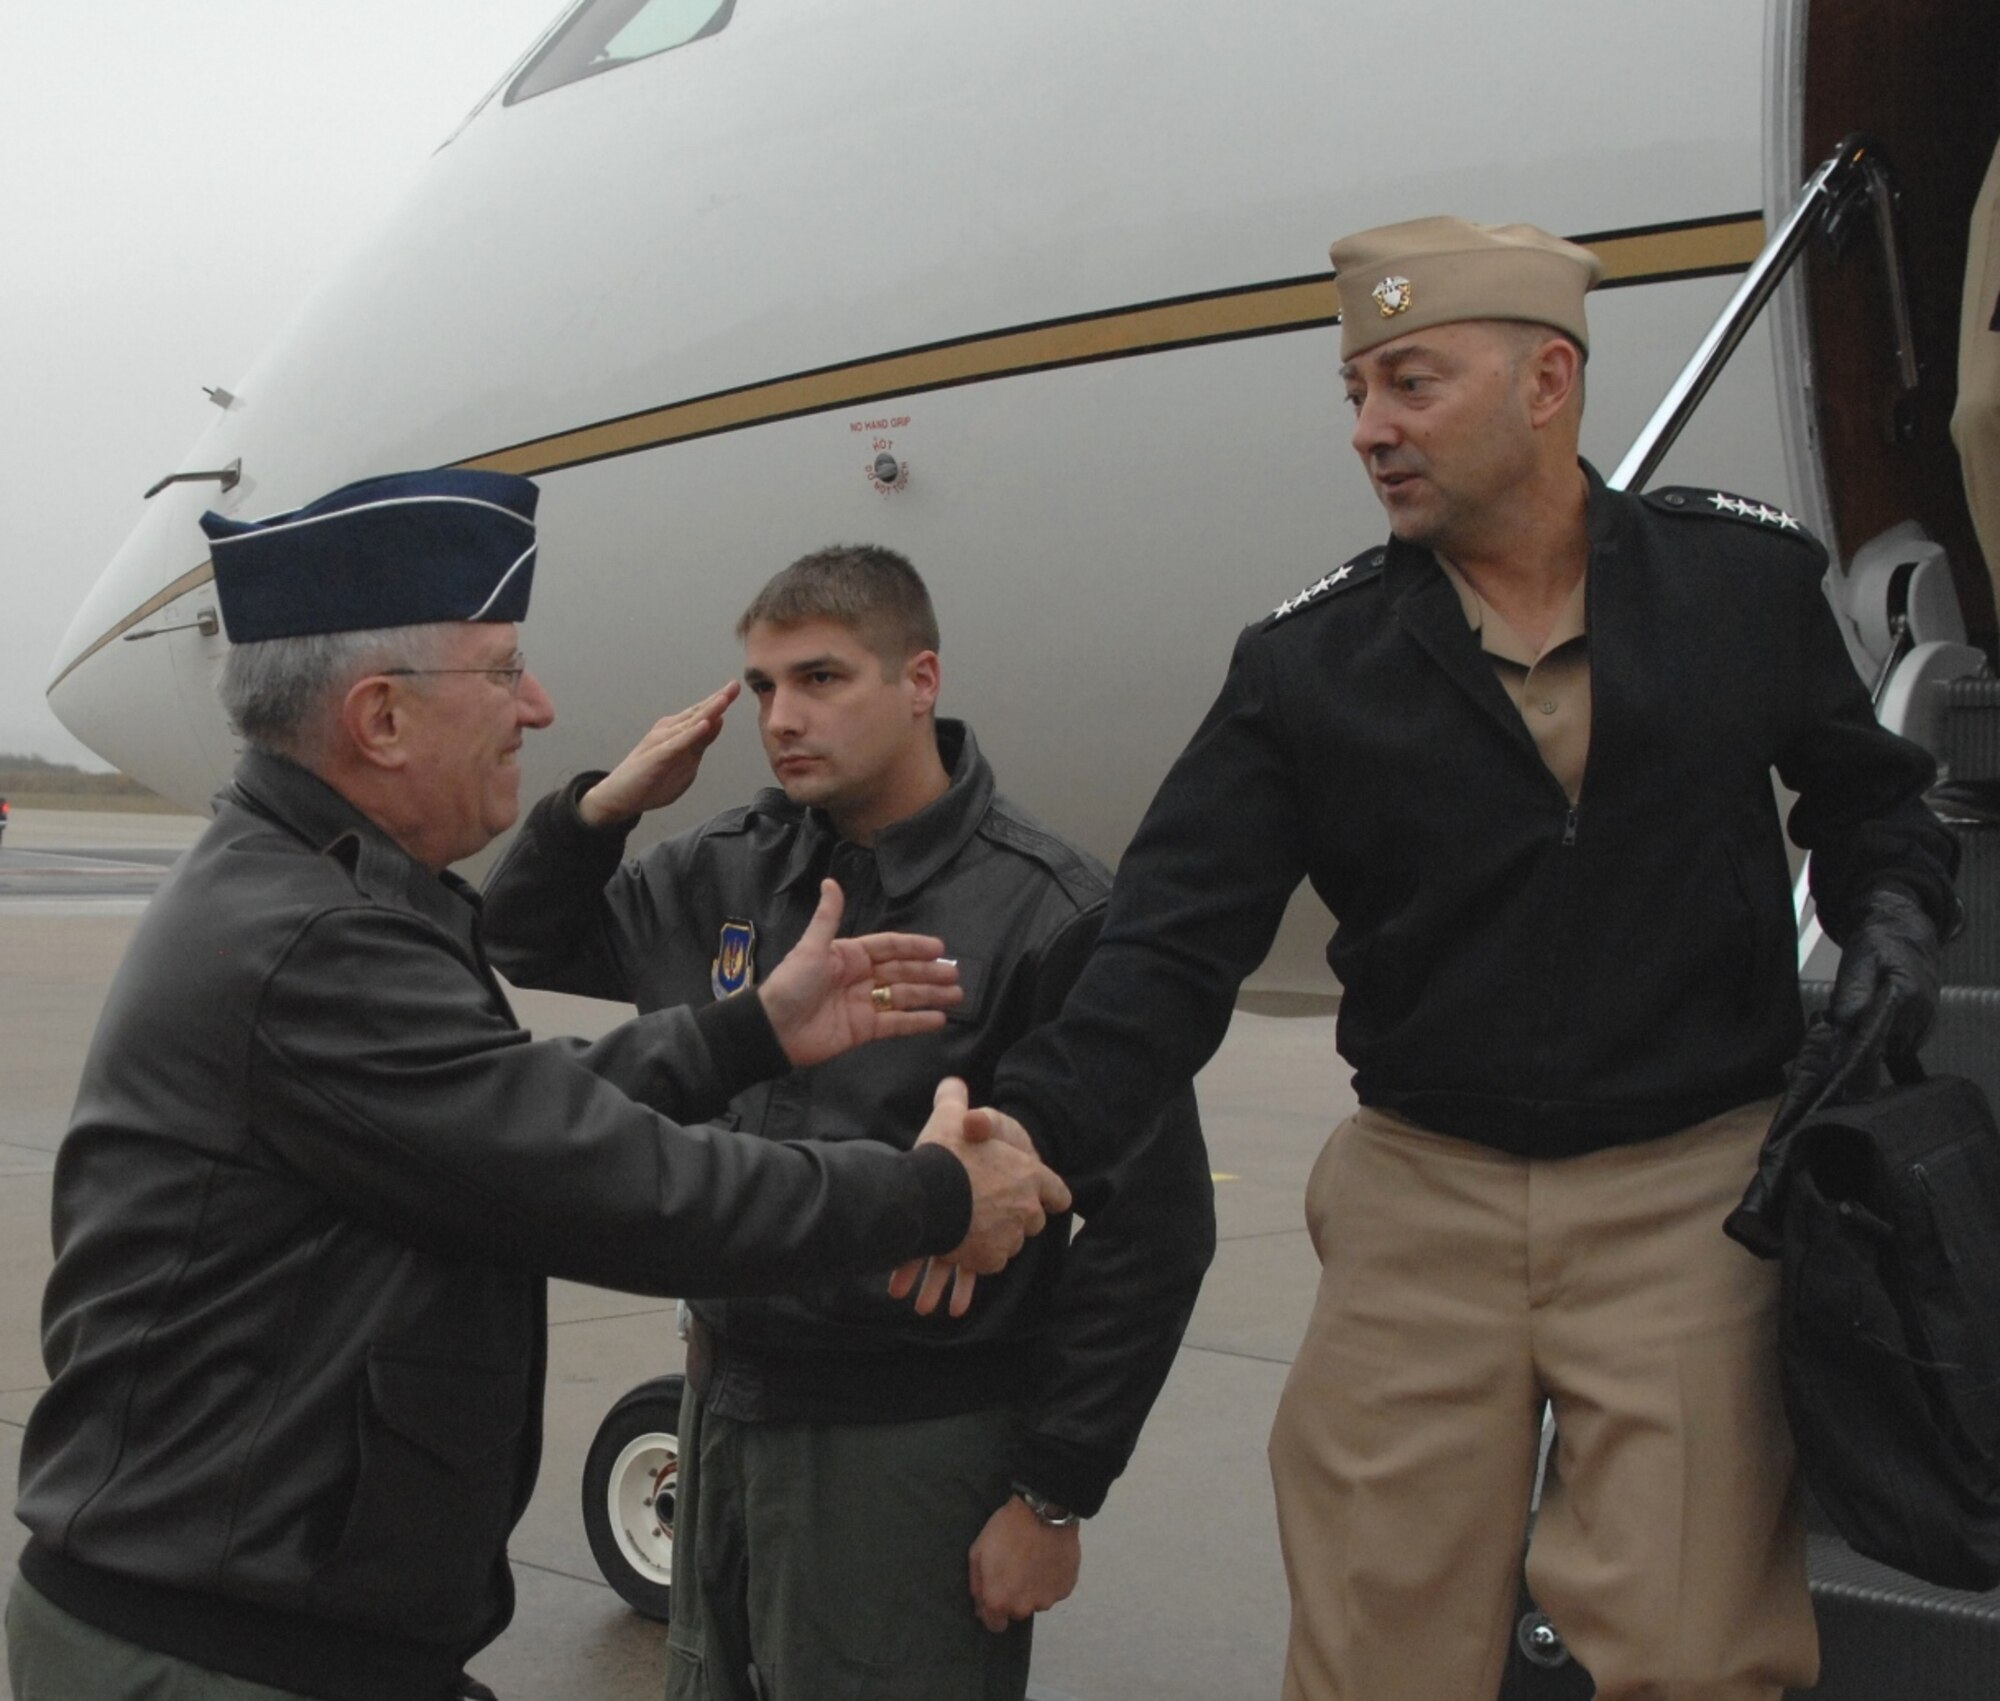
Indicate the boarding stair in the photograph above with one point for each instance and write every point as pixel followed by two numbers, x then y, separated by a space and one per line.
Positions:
pixel 1884 1636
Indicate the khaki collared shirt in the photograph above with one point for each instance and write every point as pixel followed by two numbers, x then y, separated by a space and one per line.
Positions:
pixel 1551 689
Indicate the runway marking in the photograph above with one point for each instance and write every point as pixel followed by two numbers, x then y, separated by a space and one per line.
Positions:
pixel 61 862
pixel 62 907
pixel 1632 255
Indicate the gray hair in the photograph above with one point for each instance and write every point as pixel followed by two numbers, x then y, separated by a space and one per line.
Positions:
pixel 281 694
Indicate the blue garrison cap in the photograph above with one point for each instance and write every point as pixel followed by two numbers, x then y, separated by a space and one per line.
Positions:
pixel 406 550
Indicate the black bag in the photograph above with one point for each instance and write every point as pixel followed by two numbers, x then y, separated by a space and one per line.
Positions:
pixel 1889 1327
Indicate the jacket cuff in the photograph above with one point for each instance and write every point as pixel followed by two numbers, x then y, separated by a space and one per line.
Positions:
pixel 1072 1476
pixel 946 1199
pixel 742 1041
pixel 1949 925
pixel 1043 1128
pixel 567 811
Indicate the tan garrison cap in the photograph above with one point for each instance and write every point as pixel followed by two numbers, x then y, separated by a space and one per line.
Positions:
pixel 1407 277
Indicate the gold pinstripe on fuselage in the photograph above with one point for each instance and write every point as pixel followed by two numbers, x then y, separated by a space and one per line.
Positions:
pixel 1633 255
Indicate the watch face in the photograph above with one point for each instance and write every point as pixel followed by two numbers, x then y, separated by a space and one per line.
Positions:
pixel 1047 1511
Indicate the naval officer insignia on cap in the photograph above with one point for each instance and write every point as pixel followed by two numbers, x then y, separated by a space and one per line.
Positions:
pixel 735 963
pixel 1437 271
pixel 411 549
pixel 1392 296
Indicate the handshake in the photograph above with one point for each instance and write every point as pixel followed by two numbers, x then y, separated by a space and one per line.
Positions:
pixel 831 994
pixel 1013 1192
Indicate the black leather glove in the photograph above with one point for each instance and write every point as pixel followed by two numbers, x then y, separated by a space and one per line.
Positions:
pixel 1886 993
pixel 1884 999
pixel 1759 1222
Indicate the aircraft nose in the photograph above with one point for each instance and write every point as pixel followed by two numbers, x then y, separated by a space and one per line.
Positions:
pixel 134 678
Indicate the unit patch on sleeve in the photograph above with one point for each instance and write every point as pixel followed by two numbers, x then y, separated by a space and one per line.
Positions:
pixel 1365 566
pixel 735 964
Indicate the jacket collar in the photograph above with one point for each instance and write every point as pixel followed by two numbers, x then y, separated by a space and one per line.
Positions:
pixel 1430 611
pixel 913 850
pixel 305 806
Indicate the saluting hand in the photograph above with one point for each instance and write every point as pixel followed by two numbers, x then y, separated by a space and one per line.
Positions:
pixel 662 765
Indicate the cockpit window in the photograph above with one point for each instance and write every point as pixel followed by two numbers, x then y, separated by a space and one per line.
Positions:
pixel 605 34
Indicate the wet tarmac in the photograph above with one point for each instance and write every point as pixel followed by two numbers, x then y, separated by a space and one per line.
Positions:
pixel 1181 1596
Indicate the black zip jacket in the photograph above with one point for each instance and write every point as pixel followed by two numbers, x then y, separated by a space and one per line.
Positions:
pixel 1540 979
pixel 314 1178
pixel 1080 1334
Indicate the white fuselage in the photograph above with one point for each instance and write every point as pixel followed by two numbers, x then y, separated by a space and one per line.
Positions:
pixel 697 297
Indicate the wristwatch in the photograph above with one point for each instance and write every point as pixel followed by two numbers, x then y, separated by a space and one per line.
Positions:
pixel 1048 1513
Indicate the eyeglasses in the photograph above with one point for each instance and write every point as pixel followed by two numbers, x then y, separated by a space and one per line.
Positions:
pixel 509 674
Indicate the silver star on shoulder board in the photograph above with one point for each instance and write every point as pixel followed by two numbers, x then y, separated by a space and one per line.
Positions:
pixel 1723 503
pixel 1787 523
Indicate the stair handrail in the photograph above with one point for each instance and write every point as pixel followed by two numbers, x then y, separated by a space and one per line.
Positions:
pixel 1855 174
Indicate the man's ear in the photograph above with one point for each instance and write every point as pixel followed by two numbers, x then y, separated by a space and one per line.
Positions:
pixel 374 721
pixel 1553 376
pixel 925 677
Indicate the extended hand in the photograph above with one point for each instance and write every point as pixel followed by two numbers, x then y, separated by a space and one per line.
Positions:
pixel 1013 1194
pixel 661 765
pixel 823 999
pixel 936 1272
pixel 1020 1566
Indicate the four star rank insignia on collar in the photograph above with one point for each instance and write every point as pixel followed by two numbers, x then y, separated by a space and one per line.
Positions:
pixel 1699 499
pixel 1360 570
pixel 1724 503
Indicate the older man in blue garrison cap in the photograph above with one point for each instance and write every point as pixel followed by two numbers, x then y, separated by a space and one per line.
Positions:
pixel 317 1173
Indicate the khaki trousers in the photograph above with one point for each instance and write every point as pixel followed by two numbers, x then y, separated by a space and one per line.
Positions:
pixel 1975 421
pixel 1459 1287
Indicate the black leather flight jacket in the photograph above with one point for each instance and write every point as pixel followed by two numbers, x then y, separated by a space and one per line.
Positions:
pixel 1080 1334
pixel 314 1180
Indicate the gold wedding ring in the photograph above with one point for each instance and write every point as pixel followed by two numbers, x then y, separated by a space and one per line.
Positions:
pixel 882 998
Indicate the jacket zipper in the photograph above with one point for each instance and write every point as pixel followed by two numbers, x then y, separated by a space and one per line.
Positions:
pixel 1555 982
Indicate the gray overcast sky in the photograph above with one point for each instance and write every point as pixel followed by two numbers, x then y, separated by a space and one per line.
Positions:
pixel 174 176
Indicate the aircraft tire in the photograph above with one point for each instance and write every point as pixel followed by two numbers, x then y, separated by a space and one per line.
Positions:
pixel 628 1494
